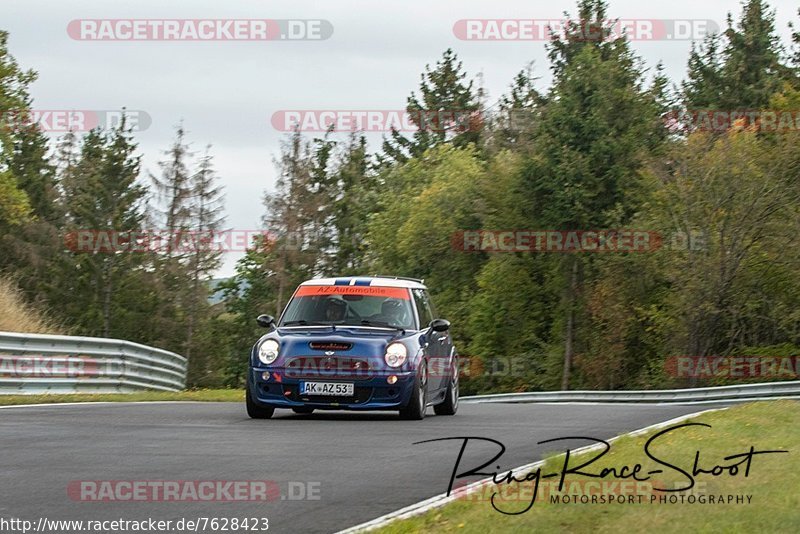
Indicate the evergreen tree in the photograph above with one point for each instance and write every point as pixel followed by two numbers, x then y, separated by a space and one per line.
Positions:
pixel 173 191
pixel 102 194
pixel 350 206
pixel 517 117
pixel 205 221
pixel 596 126
pixel 746 72
pixel 752 72
pixel 704 85
pixel 447 109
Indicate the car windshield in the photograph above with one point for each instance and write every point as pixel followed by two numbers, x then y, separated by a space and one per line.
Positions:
pixel 350 305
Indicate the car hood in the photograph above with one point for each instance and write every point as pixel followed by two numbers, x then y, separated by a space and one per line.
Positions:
pixel 363 342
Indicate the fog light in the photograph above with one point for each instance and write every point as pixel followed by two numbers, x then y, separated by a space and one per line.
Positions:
pixel 265 375
pixel 392 379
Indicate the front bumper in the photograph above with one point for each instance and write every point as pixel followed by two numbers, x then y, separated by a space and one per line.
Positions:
pixel 373 392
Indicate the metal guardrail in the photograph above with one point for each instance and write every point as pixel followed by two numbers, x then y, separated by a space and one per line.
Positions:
pixel 40 363
pixel 737 393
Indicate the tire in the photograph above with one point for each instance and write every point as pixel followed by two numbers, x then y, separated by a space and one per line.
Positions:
pixel 415 410
pixel 304 410
pixel 256 410
pixel 450 404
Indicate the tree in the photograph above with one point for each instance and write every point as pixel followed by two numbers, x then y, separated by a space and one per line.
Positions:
pixel 796 46
pixel 33 249
pixel 447 109
pixel 744 70
pixel 517 116
pixel 432 199
pixel 205 220
pixel 14 108
pixel 598 123
pixel 354 194
pixel 174 190
pixel 752 72
pixel 102 194
pixel 704 84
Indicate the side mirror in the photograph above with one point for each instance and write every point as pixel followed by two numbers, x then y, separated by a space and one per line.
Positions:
pixel 267 321
pixel 440 325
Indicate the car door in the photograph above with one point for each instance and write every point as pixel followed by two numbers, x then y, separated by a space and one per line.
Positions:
pixel 437 344
pixel 445 351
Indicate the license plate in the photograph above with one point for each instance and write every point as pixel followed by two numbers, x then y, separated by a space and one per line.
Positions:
pixel 336 389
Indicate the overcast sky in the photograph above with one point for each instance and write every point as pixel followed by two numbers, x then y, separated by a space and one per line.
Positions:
pixel 226 91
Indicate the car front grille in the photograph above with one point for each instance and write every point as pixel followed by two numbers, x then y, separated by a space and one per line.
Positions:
pixel 341 367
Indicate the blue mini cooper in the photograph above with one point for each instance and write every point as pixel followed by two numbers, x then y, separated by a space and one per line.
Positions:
pixel 357 343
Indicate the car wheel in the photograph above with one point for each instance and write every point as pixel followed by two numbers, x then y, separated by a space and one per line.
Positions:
pixel 256 410
pixel 450 404
pixel 305 410
pixel 415 410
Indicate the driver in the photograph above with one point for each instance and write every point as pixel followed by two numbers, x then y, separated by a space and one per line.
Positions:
pixel 335 309
pixel 394 312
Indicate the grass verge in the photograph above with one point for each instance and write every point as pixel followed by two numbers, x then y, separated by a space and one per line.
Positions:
pixel 203 395
pixel 18 316
pixel 772 484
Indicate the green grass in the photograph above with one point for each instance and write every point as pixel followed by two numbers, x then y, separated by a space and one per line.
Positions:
pixel 773 482
pixel 203 395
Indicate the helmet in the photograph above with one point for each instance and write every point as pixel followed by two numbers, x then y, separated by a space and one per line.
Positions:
pixel 394 311
pixel 335 309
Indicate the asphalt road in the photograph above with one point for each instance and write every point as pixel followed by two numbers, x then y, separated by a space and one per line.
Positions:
pixel 356 466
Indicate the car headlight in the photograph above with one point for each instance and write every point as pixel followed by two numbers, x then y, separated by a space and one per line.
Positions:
pixel 396 354
pixel 268 351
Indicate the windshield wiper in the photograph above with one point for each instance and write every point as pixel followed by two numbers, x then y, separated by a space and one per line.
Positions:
pixel 367 322
pixel 303 322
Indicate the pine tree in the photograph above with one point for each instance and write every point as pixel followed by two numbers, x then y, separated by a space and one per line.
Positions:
pixel 173 190
pixel 742 72
pixel 598 122
pixel 35 174
pixel 446 109
pixel 704 85
pixel 349 209
pixel 517 117
pixel 752 72
pixel 590 30
pixel 289 211
pixel 206 218
pixel 103 194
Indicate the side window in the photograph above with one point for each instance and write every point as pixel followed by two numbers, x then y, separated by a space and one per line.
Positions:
pixel 431 307
pixel 423 307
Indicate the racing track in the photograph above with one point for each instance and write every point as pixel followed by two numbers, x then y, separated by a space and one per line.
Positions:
pixel 365 464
